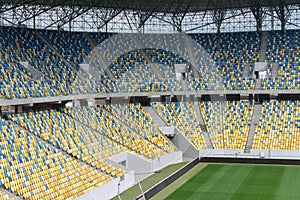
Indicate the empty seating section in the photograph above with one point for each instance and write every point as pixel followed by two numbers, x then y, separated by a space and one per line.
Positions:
pixel 222 59
pixel 136 74
pixel 103 122
pixel 279 126
pixel 98 38
pixel 183 117
pixel 77 140
pixel 135 117
pixel 127 62
pixel 73 46
pixel 24 45
pixel 230 53
pixel 227 123
pixel 115 47
pixel 239 84
pixel 283 48
pixel 17 83
pixel 144 79
pixel 281 83
pixel 34 170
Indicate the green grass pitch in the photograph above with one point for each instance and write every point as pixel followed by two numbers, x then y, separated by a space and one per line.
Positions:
pixel 240 181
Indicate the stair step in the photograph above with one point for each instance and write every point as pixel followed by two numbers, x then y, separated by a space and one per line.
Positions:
pixel 203 127
pixel 246 70
pixel 275 70
pixel 255 119
pixel 258 84
pixel 155 117
pixel 263 46
pixel 191 53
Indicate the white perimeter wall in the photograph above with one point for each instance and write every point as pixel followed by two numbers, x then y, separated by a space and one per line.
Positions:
pixel 110 189
pixel 239 153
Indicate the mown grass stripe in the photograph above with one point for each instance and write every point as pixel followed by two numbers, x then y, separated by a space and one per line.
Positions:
pixel 245 182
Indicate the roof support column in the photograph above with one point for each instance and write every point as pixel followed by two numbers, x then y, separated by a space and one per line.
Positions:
pixel 258 13
pixel 218 16
pixel 177 20
pixel 283 13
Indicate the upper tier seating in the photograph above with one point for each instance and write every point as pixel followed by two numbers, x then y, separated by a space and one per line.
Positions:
pixel 231 51
pixel 17 83
pixel 73 46
pixel 136 74
pixel 279 126
pixel 64 133
pixel 184 118
pixel 283 48
pixel 227 123
pixel 23 45
pixel 35 170
pixel 220 61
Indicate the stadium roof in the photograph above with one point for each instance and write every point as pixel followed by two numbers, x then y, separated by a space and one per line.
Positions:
pixel 166 6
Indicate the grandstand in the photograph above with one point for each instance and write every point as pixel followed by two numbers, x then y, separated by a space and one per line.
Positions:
pixel 96 96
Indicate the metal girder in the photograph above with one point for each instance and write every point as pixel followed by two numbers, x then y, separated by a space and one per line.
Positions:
pixel 136 20
pixel 41 10
pixel 173 14
pixel 14 6
pixel 174 19
pixel 10 22
pixel 218 17
pixel 108 15
pixel 283 13
pixel 207 24
pixel 178 17
pixel 167 18
pixel 143 17
pixel 68 15
pixel 177 21
pixel 287 22
pixel 258 13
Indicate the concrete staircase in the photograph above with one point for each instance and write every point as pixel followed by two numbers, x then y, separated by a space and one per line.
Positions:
pixel 184 85
pixel 254 122
pixel 258 84
pixel 246 70
pixel 155 117
pixel 90 40
pixel 90 71
pixel 263 46
pixel 203 127
pixel 190 51
pixel 275 67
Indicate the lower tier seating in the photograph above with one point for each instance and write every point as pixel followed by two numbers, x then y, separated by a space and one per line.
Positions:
pixel 135 117
pixel 106 124
pixel 279 126
pixel 183 117
pixel 34 170
pixel 227 123
pixel 77 140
